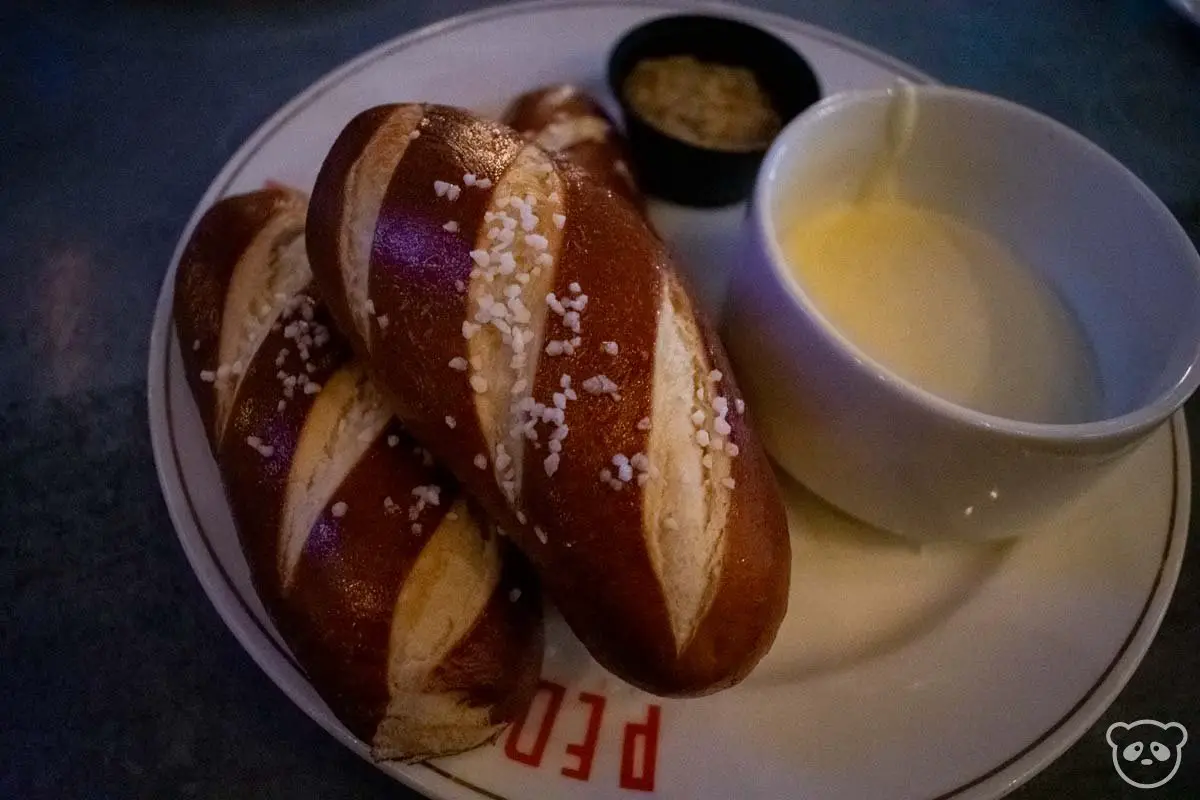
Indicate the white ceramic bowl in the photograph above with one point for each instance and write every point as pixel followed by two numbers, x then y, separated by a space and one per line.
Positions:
pixel 889 452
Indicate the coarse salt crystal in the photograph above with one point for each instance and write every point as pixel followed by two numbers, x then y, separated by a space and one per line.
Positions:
pixel 698 417
pixel 728 483
pixel 312 387
pixel 430 494
pixel 382 319
pixel 415 135
pixel 339 509
pixel 481 461
pixel 715 376
pixel 702 438
pixel 451 226
pixel 599 384
pixel 450 422
pixel 514 595
pixel 541 534
pixel 559 221
pixel 551 464
pixel 740 405
pixel 722 427
pixel 468 179
pixel 483 183
pixel 732 449
pixel 481 257
pixel 643 424
pixel 440 188
pixel 479 383
pixel 393 440
pixel 453 192
pixel 611 348
pixel 208 376
pixel 537 241
pixel 459 363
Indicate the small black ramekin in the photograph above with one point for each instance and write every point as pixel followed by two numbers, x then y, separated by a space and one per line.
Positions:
pixel 683 172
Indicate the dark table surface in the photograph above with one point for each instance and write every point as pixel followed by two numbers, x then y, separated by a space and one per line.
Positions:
pixel 117 678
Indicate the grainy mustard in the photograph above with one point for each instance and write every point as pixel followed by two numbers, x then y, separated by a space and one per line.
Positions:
pixel 711 105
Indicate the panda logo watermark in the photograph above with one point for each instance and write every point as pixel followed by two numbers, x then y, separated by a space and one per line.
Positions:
pixel 1146 753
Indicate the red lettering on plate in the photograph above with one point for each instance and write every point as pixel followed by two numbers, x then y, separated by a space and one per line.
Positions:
pixel 631 776
pixel 534 757
pixel 585 751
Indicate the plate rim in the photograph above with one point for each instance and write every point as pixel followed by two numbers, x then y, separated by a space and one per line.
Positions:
pixel 995 783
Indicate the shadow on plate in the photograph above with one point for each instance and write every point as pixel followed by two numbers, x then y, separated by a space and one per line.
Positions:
pixel 859 593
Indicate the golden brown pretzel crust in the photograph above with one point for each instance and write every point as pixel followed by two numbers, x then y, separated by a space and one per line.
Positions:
pixel 566 116
pixel 337 612
pixel 588 541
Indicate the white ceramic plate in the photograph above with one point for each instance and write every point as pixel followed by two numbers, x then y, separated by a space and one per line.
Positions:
pixel 942 672
pixel 1189 8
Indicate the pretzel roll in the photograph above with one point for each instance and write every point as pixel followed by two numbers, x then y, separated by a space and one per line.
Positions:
pixel 534 335
pixel 565 120
pixel 388 586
